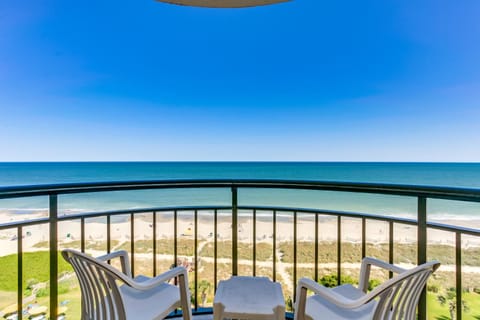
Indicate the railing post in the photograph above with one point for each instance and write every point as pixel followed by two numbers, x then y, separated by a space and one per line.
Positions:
pixel 19 270
pixel 254 265
pixel 53 211
pixel 458 274
pixel 132 244
pixel 364 238
pixel 295 253
pixel 195 288
pixel 154 231
pixel 82 234
pixel 390 246
pixel 339 250
pixel 108 234
pixel 215 249
pixel 175 237
pixel 234 231
pixel 274 249
pixel 316 247
pixel 422 251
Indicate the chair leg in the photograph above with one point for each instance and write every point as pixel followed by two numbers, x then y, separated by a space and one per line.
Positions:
pixel 185 298
pixel 300 303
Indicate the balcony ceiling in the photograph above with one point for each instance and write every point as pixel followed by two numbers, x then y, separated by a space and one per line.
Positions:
pixel 223 3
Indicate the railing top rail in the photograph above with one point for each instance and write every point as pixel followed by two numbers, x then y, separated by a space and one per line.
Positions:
pixel 465 194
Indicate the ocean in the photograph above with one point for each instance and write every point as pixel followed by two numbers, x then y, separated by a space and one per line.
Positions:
pixel 430 174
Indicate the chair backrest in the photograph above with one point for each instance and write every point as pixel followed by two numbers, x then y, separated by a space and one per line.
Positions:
pixel 398 297
pixel 101 299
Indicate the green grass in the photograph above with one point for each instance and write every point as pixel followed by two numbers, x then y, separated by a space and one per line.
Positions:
pixel 264 251
pixel 438 312
pixel 73 297
pixel 36 265
pixel 435 310
pixel 74 305
pixel 185 247
pixel 472 301
pixel 306 252
pixel 351 252
pixel 89 244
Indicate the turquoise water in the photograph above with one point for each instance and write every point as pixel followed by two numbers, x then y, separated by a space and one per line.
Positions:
pixel 433 174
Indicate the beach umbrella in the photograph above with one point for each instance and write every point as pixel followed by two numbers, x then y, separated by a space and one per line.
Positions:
pixel 188 232
pixel 223 3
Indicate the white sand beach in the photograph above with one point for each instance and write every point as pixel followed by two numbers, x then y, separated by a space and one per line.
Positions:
pixel 351 230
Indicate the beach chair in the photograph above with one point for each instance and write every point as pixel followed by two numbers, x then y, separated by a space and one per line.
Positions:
pixel 395 299
pixel 109 294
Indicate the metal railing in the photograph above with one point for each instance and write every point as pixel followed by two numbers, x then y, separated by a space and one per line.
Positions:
pixel 420 193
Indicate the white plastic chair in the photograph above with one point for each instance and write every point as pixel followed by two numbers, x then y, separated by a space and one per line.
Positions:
pixel 137 298
pixel 395 299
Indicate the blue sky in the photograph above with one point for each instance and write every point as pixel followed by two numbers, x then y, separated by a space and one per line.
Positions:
pixel 306 80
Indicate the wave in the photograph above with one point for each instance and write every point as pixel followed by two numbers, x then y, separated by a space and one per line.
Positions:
pixel 261 214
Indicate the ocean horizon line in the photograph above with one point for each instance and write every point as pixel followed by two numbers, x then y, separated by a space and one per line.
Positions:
pixel 242 161
pixel 438 174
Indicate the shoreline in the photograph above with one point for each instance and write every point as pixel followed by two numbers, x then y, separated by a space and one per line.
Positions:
pixel 96 230
pixel 17 214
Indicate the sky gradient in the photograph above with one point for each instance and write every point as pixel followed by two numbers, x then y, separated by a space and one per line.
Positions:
pixel 306 80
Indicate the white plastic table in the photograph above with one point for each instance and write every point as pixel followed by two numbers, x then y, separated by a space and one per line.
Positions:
pixel 255 298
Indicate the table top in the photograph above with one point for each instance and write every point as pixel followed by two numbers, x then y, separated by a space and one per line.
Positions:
pixel 246 296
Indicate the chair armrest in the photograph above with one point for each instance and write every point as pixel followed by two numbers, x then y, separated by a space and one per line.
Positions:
pixel 164 277
pixel 327 294
pixel 179 272
pixel 367 264
pixel 124 261
pixel 382 264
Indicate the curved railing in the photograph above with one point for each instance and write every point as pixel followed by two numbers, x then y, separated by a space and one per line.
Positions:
pixel 291 264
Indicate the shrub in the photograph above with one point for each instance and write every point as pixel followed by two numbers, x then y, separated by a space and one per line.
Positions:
pixel 331 280
pixel 373 283
pixel 289 304
pixel 433 288
pixel 43 292
pixel 63 288
pixel 31 284
pixel 348 279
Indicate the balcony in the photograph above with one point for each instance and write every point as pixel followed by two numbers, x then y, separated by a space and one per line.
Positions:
pixel 251 227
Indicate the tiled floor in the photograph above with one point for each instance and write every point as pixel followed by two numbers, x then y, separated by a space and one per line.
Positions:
pixel 203 317
pixel 210 317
